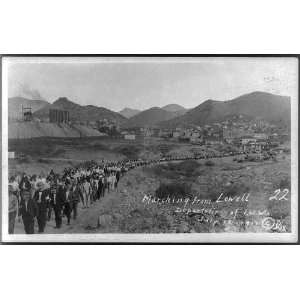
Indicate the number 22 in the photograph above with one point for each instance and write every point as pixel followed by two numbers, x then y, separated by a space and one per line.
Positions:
pixel 277 197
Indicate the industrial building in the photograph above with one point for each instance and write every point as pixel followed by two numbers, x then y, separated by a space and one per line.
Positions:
pixel 59 116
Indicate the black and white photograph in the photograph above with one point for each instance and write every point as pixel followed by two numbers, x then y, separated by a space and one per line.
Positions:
pixel 150 149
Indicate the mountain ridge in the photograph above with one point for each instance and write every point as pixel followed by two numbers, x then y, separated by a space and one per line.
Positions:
pixel 271 107
pixel 79 112
pixel 149 117
pixel 173 107
pixel 129 112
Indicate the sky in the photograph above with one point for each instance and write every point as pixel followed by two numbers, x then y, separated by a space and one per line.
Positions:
pixel 141 83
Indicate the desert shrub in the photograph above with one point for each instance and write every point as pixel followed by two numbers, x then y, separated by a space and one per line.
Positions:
pixel 209 163
pixel 130 151
pixel 232 167
pixel 187 169
pixel 99 147
pixel 23 160
pixel 58 152
pixel 164 148
pixel 146 220
pixel 283 183
pixel 174 189
pixel 237 188
pixel 43 160
pixel 279 209
pixel 251 158
pixel 128 183
pixel 188 166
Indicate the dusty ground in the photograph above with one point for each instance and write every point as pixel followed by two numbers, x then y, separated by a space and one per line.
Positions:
pixel 123 210
pixel 44 154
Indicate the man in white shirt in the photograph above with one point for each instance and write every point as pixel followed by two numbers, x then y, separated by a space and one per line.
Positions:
pixel 86 193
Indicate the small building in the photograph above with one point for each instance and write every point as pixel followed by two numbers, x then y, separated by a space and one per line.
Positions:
pixel 176 134
pixel 196 140
pixel 247 139
pixel 260 136
pixel 11 155
pixel 129 136
pixel 257 146
pixel 195 134
pixel 213 141
pixel 229 140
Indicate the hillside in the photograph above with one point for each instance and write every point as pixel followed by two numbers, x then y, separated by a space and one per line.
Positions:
pixel 174 108
pixel 270 107
pixel 129 112
pixel 15 106
pixel 149 117
pixel 28 130
pixel 79 112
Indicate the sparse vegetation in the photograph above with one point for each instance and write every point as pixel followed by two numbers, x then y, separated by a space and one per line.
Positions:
pixel 43 160
pixel 209 163
pixel 130 151
pixel 187 169
pixel 23 160
pixel 205 178
pixel 236 188
pixel 147 221
pixel 284 183
pixel 174 189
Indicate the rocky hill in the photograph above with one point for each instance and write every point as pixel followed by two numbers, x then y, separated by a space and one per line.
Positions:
pixel 129 112
pixel 149 117
pixel 79 112
pixel 174 108
pixel 270 107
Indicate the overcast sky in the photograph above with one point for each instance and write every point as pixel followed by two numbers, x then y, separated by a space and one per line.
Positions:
pixel 142 83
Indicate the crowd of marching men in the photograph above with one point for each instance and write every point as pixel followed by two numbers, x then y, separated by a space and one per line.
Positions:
pixel 39 198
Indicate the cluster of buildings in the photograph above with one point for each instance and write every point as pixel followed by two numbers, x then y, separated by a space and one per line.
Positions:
pixel 245 134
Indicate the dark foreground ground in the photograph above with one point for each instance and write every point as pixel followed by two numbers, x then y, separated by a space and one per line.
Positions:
pixel 127 210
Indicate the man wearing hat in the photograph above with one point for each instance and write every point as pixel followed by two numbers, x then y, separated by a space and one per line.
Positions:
pixel 100 187
pixel 76 195
pixel 25 184
pixel 28 211
pixel 12 207
pixel 86 192
pixel 56 202
pixel 68 201
pixel 41 197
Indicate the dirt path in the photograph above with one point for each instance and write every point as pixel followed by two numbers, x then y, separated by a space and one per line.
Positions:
pixel 87 219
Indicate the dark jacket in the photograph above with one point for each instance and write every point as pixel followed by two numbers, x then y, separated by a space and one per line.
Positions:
pixel 59 197
pixel 43 204
pixel 25 184
pixel 63 198
pixel 30 210
pixel 76 194
pixel 56 201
